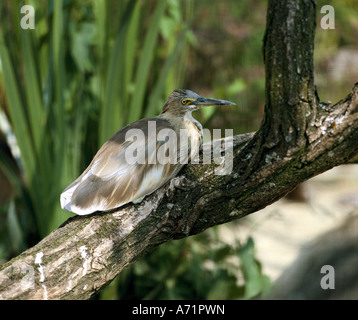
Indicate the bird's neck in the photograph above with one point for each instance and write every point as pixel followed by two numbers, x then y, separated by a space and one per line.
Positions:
pixel 189 117
pixel 182 121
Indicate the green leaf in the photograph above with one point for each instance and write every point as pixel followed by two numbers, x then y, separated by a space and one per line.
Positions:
pixel 255 281
pixel 80 45
pixel 159 88
pixel 33 92
pixel 17 113
pixel 144 64
pixel 15 232
pixel 237 86
pixel 111 112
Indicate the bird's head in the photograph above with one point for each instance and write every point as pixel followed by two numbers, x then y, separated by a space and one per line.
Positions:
pixel 181 101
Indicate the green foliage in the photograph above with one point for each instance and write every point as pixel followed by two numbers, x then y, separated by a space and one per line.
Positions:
pixel 199 267
pixel 86 70
pixel 255 281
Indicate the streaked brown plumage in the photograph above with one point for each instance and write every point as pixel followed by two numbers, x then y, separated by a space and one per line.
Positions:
pixel 110 181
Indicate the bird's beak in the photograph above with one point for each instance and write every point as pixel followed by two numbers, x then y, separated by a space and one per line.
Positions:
pixel 203 102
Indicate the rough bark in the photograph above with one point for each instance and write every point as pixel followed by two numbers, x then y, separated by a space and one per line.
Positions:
pixel 298 139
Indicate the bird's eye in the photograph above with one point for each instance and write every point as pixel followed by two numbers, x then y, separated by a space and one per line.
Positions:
pixel 186 102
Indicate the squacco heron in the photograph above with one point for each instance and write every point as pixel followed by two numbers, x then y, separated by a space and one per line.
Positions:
pixel 112 179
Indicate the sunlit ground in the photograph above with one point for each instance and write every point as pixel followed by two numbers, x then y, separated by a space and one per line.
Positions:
pixel 282 229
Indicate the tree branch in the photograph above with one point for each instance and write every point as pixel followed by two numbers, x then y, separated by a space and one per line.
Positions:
pixel 298 139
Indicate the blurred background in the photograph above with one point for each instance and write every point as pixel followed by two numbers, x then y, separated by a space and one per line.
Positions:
pixel 90 67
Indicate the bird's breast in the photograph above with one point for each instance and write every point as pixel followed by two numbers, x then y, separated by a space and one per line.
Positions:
pixel 194 129
pixel 195 136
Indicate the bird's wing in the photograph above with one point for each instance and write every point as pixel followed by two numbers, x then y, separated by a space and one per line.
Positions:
pixel 123 170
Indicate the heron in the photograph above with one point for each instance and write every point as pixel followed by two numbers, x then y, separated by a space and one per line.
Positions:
pixel 111 180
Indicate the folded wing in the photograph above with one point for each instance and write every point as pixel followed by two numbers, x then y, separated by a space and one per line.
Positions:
pixel 123 170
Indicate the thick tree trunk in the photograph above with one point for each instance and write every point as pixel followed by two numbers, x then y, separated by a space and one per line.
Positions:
pixel 298 139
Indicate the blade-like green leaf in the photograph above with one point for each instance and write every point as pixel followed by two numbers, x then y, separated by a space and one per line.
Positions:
pixel 17 113
pixel 58 80
pixel 131 54
pixel 57 114
pixel 101 36
pixel 15 232
pixel 158 91
pixel 32 87
pixel 110 115
pixel 144 64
